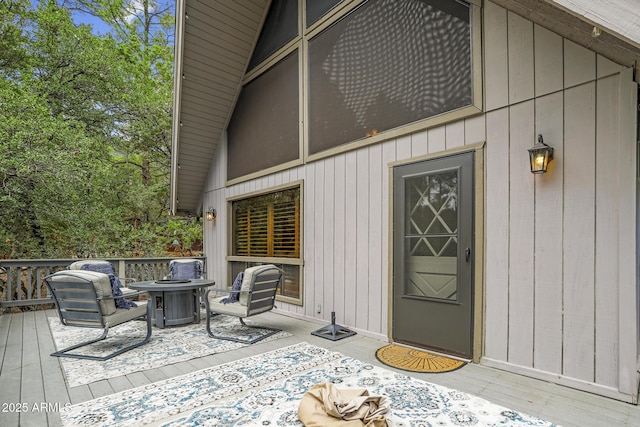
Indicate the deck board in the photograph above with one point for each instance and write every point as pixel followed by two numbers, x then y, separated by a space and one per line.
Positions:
pixel 101 388
pixel 11 372
pixel 27 364
pixel 32 378
pixel 79 394
pixel 52 376
pixel 137 379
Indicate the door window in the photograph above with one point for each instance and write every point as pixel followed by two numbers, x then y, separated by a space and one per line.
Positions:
pixel 431 235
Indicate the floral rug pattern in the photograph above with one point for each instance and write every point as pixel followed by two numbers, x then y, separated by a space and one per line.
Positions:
pixel 265 390
pixel 167 346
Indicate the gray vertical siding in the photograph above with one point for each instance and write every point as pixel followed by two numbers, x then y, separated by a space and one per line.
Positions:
pixel 559 274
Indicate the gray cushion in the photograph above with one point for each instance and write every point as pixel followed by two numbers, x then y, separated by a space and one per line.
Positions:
pixel 248 279
pixel 103 266
pixel 232 309
pixel 122 315
pixel 101 284
pixel 78 264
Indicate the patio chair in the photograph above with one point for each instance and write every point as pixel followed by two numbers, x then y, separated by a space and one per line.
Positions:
pixel 118 284
pixel 256 295
pixel 84 299
pixel 186 269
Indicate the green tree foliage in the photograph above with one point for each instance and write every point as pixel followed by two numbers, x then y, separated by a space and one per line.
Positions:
pixel 12 39
pixel 85 132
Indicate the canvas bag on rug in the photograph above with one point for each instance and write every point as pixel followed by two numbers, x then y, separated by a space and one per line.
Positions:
pixel 326 406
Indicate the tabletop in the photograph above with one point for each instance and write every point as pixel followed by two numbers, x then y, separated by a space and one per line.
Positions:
pixel 171 285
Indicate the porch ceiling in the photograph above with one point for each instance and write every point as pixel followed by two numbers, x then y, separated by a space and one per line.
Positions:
pixel 214 42
pixel 619 21
pixel 215 39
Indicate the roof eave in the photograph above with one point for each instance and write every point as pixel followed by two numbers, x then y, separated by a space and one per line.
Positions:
pixel 177 99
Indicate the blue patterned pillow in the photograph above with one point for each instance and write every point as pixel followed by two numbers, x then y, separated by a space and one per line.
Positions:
pixel 184 269
pixel 235 290
pixel 108 269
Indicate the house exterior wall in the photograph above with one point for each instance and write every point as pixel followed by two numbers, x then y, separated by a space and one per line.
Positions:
pixel 559 250
pixel 560 300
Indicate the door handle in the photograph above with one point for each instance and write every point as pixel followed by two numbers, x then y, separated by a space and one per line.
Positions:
pixel 467 254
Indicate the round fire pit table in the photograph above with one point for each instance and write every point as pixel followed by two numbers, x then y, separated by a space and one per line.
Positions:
pixel 174 302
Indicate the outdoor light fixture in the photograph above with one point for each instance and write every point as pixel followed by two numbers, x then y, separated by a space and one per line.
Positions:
pixel 539 156
pixel 210 215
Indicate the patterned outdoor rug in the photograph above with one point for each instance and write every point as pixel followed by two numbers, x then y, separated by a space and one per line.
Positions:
pixel 167 346
pixel 265 390
pixel 413 360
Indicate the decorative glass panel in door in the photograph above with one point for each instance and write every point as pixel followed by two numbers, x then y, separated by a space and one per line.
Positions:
pixel 431 233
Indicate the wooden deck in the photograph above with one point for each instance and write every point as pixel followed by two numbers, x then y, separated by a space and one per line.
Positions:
pixel 33 389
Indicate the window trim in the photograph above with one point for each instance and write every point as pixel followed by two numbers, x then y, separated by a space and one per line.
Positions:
pixel 299 184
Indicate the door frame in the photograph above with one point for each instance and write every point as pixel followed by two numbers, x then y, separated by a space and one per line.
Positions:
pixel 478 240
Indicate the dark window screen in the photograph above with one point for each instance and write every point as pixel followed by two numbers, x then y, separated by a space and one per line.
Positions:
pixel 263 131
pixel 280 27
pixel 317 8
pixel 386 64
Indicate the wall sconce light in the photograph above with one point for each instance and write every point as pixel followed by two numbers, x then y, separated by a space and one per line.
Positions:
pixel 210 215
pixel 539 156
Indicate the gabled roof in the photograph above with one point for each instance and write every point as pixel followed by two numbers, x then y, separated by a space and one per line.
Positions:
pixel 215 39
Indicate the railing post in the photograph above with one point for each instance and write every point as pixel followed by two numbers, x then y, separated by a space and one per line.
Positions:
pixel 122 270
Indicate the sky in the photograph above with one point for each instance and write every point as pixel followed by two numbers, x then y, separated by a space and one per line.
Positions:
pixel 99 27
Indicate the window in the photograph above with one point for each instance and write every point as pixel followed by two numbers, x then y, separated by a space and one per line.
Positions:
pixel 263 131
pixel 266 230
pixel 318 8
pixel 268 226
pixel 280 27
pixel 364 80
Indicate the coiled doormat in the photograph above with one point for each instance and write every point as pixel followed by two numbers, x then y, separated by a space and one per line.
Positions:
pixel 409 359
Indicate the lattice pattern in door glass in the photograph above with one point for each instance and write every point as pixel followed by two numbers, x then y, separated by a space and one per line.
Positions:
pixel 432 214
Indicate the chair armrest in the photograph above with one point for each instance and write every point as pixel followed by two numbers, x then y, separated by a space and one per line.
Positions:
pixel 133 294
pixel 219 291
pixel 126 280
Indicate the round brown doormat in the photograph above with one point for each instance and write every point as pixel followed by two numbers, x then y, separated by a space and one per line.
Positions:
pixel 409 359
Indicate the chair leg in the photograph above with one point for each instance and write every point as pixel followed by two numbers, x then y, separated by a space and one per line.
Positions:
pixel 272 331
pixel 64 353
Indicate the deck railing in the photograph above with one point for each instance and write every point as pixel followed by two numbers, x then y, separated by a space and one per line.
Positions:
pixel 21 283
